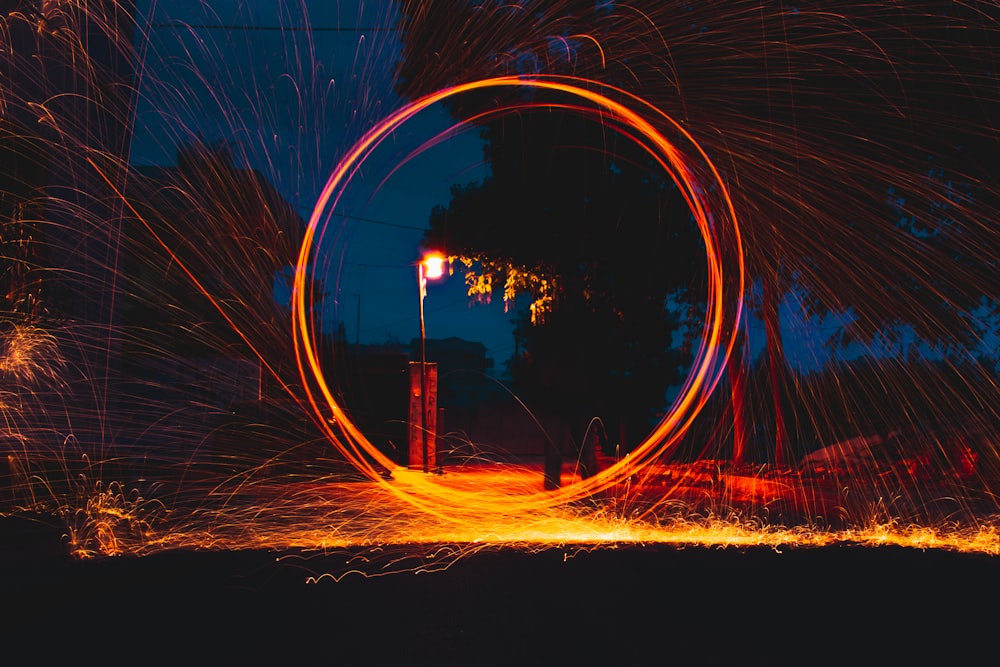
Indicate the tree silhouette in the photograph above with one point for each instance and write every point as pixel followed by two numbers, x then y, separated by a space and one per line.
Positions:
pixel 203 255
pixel 817 120
pixel 203 331
pixel 581 219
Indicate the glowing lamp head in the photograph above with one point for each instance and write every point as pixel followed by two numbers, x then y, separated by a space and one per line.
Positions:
pixel 433 265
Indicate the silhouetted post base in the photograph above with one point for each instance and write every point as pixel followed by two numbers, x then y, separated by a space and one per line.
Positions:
pixel 423 417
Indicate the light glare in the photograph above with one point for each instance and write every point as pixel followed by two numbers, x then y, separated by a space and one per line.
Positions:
pixel 433 266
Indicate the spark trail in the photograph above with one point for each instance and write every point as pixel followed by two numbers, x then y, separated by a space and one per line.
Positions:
pixel 158 394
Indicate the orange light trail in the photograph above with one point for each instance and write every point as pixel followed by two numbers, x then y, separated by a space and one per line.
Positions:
pixel 689 167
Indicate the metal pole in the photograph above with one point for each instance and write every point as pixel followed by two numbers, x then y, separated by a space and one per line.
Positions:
pixel 423 364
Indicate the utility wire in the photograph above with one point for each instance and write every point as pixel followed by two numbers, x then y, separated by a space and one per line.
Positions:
pixel 370 220
pixel 180 25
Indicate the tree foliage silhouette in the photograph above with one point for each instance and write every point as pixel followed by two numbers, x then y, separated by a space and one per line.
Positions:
pixel 847 140
pixel 583 221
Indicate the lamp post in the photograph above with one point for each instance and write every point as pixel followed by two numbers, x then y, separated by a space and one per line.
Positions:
pixel 431 267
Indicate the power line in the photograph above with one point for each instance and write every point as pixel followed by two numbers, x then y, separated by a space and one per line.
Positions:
pixel 369 220
pixel 366 265
pixel 180 25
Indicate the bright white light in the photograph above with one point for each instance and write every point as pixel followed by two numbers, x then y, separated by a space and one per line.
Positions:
pixel 433 266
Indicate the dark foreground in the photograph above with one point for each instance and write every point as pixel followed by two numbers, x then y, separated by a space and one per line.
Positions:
pixel 629 605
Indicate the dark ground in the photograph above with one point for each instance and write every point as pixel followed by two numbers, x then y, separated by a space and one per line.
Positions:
pixel 630 605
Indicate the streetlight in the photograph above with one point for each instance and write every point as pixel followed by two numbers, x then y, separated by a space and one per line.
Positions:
pixel 431 267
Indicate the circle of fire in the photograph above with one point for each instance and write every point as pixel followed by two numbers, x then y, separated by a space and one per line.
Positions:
pixel 708 199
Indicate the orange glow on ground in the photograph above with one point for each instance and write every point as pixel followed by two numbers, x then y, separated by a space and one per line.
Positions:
pixel 380 531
